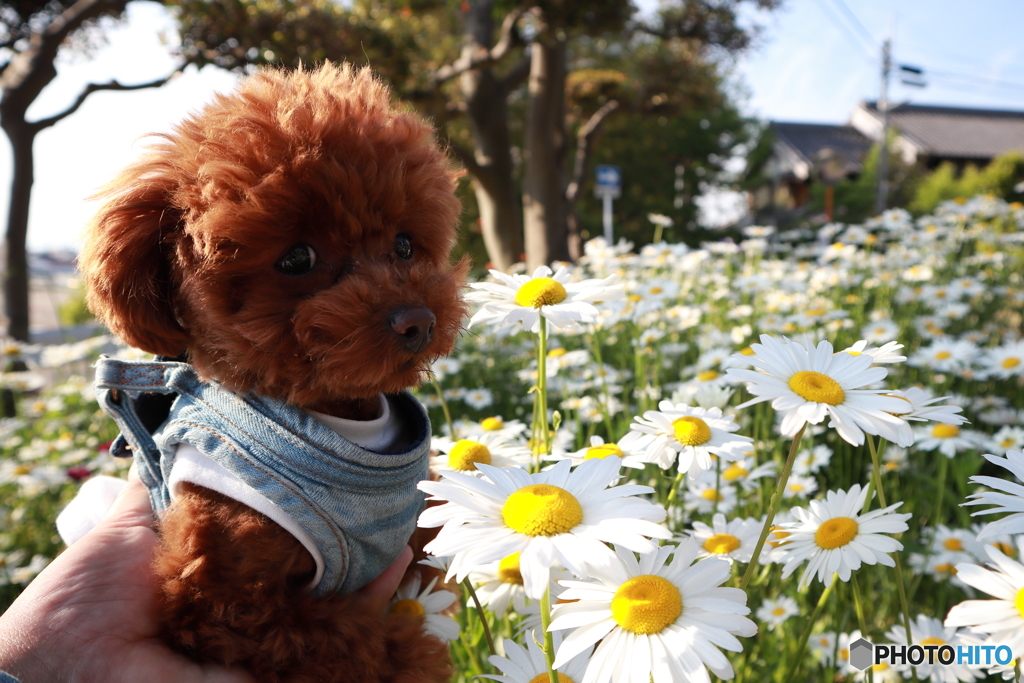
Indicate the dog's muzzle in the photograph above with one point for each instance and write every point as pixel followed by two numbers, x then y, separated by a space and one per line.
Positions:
pixel 414 326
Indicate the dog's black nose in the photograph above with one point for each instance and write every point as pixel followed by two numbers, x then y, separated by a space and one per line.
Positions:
pixel 415 326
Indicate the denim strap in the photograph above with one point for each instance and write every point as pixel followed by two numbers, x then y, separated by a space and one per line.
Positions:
pixel 7 678
pixel 114 380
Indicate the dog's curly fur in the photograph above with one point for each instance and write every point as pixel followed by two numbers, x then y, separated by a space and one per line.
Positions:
pixel 182 260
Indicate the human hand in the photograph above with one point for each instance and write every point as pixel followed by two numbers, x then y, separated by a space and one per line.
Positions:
pixel 92 614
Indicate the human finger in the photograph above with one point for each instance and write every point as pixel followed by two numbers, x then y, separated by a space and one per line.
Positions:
pixel 376 594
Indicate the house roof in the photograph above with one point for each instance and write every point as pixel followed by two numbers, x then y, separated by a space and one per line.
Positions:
pixel 808 139
pixel 957 132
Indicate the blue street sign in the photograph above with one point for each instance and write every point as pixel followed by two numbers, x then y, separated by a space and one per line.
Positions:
pixel 609 176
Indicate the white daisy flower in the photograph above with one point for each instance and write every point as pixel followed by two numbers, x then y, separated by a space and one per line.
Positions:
pixel 824 646
pixel 1008 437
pixel 945 355
pixel 489 448
pixel 810 460
pixel 656 620
pixel 743 473
pixel 880 331
pixel 409 601
pixel 1004 362
pixel 925 630
pixel 733 540
pixel 775 612
pixel 833 537
pixel 921 408
pixel 946 438
pixel 555 515
pixel 690 434
pixel 630 448
pixel 1007 496
pixel 478 399
pixel 800 486
pixel 522 299
pixel 886 353
pixel 507 429
pixel 499 585
pixel 700 497
pixel 527 664
pixel 806 384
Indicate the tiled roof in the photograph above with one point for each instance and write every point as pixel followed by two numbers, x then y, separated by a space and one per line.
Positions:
pixel 808 139
pixel 957 132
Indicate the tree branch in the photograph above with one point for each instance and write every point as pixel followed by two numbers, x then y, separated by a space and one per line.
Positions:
pixel 483 57
pixel 517 75
pixel 96 87
pixel 584 148
pixel 465 157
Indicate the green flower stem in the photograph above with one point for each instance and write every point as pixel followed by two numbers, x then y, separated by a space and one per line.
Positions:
pixel 805 636
pixel 444 407
pixel 858 605
pixel 541 415
pixel 718 485
pixel 483 617
pixel 676 483
pixel 904 604
pixel 549 641
pixel 773 507
pixel 596 345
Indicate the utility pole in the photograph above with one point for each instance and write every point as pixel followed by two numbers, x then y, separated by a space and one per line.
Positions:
pixel 882 191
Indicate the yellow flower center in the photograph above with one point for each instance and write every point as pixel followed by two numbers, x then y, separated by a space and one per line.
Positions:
pixel 541 291
pixel 492 424
pixel 953 544
pixel 1006 443
pixel 777 537
pixel 1010 363
pixel 933 641
pixel 543 678
pixel 555 353
pixel 646 604
pixel 603 451
pixel 816 387
pixel 881 666
pixel 835 532
pixel 779 611
pixel 691 431
pixel 635 298
pixel 747 351
pixel 541 510
pixel 796 488
pixel 465 454
pixel 508 570
pixel 707 376
pixel 1005 548
pixel 844 654
pixel 853 353
pixel 656 290
pixel 22 469
pixel 721 544
pixel 817 311
pixel 943 355
pixel 734 472
pixel 407 608
pixel 1019 602
pixel 710 494
pixel 945 568
pixel 945 431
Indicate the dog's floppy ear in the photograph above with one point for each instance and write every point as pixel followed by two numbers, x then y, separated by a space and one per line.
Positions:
pixel 125 260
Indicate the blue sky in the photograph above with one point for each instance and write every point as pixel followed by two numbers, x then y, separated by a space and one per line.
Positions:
pixel 812 64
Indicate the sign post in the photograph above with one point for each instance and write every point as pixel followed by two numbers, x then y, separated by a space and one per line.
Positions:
pixel 608 187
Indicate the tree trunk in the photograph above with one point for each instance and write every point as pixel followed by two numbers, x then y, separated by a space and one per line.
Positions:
pixel 16 270
pixel 487 106
pixel 544 182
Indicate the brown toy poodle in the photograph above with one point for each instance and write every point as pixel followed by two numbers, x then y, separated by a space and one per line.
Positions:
pixel 290 242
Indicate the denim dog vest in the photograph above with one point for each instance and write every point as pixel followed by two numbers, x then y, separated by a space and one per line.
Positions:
pixel 359 507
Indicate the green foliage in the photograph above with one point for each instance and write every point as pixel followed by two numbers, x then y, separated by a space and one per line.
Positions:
pixel 999 178
pixel 74 311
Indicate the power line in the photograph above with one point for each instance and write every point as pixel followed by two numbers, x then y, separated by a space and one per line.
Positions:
pixel 995 82
pixel 864 32
pixel 845 28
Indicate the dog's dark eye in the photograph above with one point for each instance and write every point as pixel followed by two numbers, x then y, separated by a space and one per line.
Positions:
pixel 298 260
pixel 403 246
